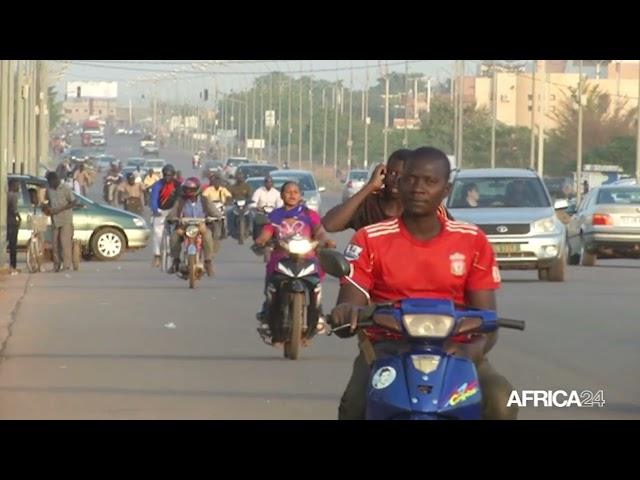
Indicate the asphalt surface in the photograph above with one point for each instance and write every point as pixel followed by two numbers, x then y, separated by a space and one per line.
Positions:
pixel 121 340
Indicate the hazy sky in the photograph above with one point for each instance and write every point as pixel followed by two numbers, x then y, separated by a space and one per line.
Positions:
pixel 238 74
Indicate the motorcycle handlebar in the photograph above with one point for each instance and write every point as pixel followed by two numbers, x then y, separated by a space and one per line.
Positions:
pixel 510 323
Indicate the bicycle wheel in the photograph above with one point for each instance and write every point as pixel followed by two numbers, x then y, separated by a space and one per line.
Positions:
pixel 34 255
pixel 165 251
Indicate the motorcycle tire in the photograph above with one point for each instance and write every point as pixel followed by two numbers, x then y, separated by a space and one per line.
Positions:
pixel 296 311
pixel 193 275
pixel 241 231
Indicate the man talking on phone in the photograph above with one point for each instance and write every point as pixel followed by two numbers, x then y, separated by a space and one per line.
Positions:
pixel 376 202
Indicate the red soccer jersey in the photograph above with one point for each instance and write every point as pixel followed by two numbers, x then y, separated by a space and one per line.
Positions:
pixel 388 264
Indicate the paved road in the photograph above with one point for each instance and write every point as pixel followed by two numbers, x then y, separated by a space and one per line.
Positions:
pixel 99 344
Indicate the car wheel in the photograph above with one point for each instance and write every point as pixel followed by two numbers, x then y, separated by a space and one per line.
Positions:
pixel 108 244
pixel 555 273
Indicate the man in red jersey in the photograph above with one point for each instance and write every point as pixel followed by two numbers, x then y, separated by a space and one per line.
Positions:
pixel 420 254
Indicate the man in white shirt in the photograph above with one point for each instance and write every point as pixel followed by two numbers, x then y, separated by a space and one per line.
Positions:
pixel 267 195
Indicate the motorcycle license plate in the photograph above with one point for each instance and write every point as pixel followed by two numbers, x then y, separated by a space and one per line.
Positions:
pixel 191 250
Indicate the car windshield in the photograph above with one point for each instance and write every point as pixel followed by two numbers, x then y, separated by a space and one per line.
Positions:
pixel 305 181
pixel 155 163
pixel 234 162
pixel 498 192
pixel 256 170
pixel 358 175
pixel 619 196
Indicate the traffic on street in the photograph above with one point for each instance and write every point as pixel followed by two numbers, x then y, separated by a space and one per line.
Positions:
pixel 171 265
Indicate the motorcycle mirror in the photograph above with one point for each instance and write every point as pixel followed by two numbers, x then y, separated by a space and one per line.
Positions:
pixel 334 263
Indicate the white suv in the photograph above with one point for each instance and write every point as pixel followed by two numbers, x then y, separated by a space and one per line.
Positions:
pixel 513 208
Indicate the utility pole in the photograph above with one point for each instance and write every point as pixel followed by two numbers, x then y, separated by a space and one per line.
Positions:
pixel 405 141
pixel 386 113
pixel 335 132
pixel 246 124
pixel 253 124
pixel 638 133
pixel 279 121
pixel 534 103
pixel 494 113
pixel 454 101
pixel 310 123
pixel 300 122
pixel 579 149
pixel 350 140
pixel 543 113
pixel 19 98
pixel 270 127
pixel 289 130
pixel 460 115
pixel 5 99
pixel 366 119
pixel 324 131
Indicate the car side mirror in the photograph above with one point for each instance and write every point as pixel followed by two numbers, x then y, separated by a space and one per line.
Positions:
pixel 334 263
pixel 561 204
pixel 572 210
pixel 322 189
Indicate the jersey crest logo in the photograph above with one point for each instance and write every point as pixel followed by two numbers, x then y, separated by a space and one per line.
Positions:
pixel 352 252
pixel 458 267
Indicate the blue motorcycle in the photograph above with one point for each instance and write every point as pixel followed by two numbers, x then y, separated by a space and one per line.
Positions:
pixel 430 380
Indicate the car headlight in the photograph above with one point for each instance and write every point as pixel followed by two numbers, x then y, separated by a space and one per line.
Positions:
pixel 546 225
pixel 433 326
pixel 299 247
pixel 139 222
pixel 192 231
pixel 312 205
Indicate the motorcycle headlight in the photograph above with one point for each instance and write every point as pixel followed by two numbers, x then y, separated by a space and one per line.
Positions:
pixel 192 231
pixel 139 222
pixel 432 326
pixel 241 203
pixel 546 225
pixel 299 247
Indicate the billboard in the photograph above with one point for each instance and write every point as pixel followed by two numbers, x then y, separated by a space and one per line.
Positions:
pixel 106 90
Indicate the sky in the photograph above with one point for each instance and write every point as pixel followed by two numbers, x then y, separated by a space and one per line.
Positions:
pixel 238 74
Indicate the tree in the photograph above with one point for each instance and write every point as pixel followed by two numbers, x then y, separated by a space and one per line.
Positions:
pixel 606 123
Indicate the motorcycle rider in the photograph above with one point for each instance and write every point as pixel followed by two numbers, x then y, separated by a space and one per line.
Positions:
pixel 111 181
pixel 420 254
pixel 377 201
pixel 191 205
pixel 290 219
pixel 216 193
pixel 239 191
pixel 149 179
pixel 265 196
pixel 163 195
pixel 131 195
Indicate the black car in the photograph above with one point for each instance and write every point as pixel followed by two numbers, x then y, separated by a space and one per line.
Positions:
pixel 255 169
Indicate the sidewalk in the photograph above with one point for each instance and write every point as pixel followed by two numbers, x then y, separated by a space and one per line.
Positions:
pixel 12 290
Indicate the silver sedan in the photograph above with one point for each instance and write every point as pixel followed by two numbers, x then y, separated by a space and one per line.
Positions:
pixel 606 225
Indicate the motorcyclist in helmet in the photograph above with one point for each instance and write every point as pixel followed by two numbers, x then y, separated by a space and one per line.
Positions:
pixel 191 204
pixel 163 196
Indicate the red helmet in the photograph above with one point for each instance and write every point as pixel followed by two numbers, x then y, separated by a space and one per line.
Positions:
pixel 190 187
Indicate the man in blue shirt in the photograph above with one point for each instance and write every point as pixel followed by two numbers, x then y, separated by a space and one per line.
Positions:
pixel 191 205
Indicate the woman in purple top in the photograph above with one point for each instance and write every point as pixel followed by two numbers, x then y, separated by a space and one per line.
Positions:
pixel 291 219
